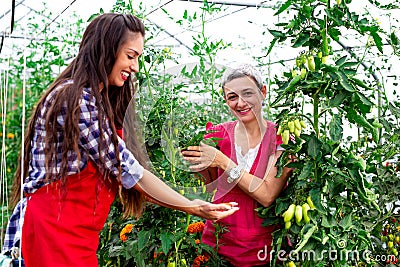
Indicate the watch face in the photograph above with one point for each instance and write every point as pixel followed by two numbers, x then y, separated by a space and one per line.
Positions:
pixel 234 174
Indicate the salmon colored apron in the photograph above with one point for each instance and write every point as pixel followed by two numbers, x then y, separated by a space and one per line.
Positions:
pixel 246 243
pixel 62 222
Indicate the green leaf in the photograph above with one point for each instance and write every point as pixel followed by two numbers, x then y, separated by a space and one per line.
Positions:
pixel 394 39
pixel 350 72
pixel 377 40
pixel 292 83
pixel 364 100
pixel 306 237
pixel 346 222
pixel 341 61
pixel 315 195
pixel 353 116
pixel 306 170
pixel 271 45
pixel 328 221
pixel 335 128
pixel 334 33
pixel 277 34
pixel 301 40
pixel 281 205
pixel 344 82
pixel 270 221
pixel 395 110
pixel 143 239
pixel 349 64
pixel 283 7
pixel 166 241
pixel 337 100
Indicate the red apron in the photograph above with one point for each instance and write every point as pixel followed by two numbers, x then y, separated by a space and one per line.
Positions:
pixel 247 242
pixel 62 222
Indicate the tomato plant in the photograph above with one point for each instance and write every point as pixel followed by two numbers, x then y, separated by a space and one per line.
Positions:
pixel 342 177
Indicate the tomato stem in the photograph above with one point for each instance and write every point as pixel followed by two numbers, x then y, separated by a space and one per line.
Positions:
pixel 316 113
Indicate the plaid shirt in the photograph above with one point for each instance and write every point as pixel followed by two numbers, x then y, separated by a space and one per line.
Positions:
pixel 89 139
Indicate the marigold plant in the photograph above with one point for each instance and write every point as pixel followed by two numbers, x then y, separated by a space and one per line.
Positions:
pixel 196 227
pixel 200 259
pixel 126 230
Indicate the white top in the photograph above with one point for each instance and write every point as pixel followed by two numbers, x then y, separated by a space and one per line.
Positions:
pixel 246 161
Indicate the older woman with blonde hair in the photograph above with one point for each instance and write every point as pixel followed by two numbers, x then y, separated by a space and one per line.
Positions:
pixel 242 167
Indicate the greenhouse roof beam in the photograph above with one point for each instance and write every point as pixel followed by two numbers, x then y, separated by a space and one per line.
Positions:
pixel 160 6
pixel 261 4
pixel 13 6
pixel 171 35
pixel 12 10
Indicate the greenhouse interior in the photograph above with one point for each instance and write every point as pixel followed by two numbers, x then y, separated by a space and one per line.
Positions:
pixel 211 133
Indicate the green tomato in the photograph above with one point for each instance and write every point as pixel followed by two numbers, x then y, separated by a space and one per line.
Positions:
pixel 290 124
pixel 297 124
pixel 311 63
pixel 391 237
pixel 310 203
pixel 289 213
pixel 280 130
pixel 306 208
pixel 298 214
pixel 285 137
pixel 183 261
pixel 395 252
pixel 303 73
pixel 297 132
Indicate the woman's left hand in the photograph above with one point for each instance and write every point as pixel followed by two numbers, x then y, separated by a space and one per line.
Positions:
pixel 203 156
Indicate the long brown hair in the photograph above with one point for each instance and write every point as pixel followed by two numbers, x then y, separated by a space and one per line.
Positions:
pixel 91 67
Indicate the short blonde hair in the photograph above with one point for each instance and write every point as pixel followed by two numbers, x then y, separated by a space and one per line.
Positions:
pixel 243 70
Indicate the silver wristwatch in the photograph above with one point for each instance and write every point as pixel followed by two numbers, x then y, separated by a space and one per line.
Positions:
pixel 234 173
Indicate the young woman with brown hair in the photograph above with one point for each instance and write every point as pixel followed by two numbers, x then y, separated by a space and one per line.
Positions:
pixel 74 161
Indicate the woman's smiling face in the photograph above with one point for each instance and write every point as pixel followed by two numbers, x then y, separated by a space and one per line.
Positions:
pixel 127 60
pixel 244 98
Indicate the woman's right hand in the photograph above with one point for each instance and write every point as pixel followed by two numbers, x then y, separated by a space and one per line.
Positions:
pixel 204 156
pixel 161 194
pixel 213 212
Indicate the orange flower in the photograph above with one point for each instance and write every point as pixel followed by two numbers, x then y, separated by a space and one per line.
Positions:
pixel 123 238
pixel 196 227
pixel 197 241
pixel 200 259
pixel 129 227
pixel 126 230
pixel 10 136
